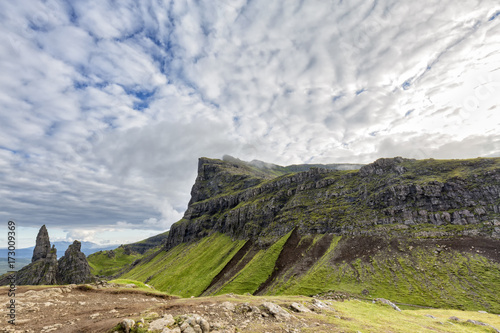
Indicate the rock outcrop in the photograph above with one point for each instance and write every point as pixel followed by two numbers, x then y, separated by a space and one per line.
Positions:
pixel 42 247
pixel 73 267
pixel 45 269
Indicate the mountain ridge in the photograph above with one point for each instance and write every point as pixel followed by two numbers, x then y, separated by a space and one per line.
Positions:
pixel 379 189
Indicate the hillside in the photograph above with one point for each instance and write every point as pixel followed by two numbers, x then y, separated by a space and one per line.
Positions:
pixel 108 263
pixel 423 232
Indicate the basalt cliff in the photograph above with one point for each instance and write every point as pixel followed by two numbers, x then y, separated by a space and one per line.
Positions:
pixel 422 232
pixel 392 195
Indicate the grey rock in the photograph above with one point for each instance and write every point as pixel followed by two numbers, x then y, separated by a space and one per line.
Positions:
pixel 161 323
pixel 480 323
pixel 299 307
pixel 228 306
pixel 204 325
pixel 188 329
pixel 387 302
pixel 42 247
pixel 320 305
pixel 276 310
pixel 171 330
pixel 73 266
pixel 127 324
pixel 194 324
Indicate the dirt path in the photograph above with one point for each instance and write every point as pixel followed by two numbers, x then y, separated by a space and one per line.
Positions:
pixel 69 309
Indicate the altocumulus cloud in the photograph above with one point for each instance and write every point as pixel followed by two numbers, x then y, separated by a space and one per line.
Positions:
pixel 106 106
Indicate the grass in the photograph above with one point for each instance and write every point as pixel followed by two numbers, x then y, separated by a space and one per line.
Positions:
pixel 187 269
pixel 367 317
pixel 420 277
pixel 101 264
pixel 256 271
pixel 138 284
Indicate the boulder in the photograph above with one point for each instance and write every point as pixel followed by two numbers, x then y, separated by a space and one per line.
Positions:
pixel 160 324
pixel 127 324
pixel 384 301
pixel 299 307
pixel 276 310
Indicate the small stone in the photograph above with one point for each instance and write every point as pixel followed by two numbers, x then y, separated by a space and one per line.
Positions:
pixel 204 325
pixel 299 307
pixel 161 323
pixel 171 330
pixel 430 316
pixel 228 306
pixel 276 310
pixel 127 324
pixel 319 304
pixel 188 329
pixel 384 301
pixel 453 318
pixel 94 315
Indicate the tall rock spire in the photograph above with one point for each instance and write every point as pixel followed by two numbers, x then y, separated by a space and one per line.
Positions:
pixel 42 246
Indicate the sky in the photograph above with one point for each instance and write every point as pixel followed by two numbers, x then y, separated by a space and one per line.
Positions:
pixel 106 106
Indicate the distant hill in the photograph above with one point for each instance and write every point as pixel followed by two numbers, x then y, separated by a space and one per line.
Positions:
pixel 111 262
pixel 23 256
pixel 87 248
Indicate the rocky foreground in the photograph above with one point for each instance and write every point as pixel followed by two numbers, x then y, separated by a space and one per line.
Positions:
pixel 112 308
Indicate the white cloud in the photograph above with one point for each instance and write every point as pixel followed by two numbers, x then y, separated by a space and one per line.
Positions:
pixel 106 106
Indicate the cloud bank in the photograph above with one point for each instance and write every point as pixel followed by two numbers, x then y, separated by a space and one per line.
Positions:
pixel 106 106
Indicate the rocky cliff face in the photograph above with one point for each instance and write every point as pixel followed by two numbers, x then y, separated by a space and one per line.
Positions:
pixel 73 267
pixel 45 269
pixel 427 198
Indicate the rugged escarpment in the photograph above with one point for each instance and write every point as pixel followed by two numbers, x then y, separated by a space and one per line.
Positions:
pixel 456 197
pixel 45 269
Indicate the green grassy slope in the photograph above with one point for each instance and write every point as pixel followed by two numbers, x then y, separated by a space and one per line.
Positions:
pixel 256 271
pixel 187 269
pixel 102 264
pixel 411 274
pixel 419 276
